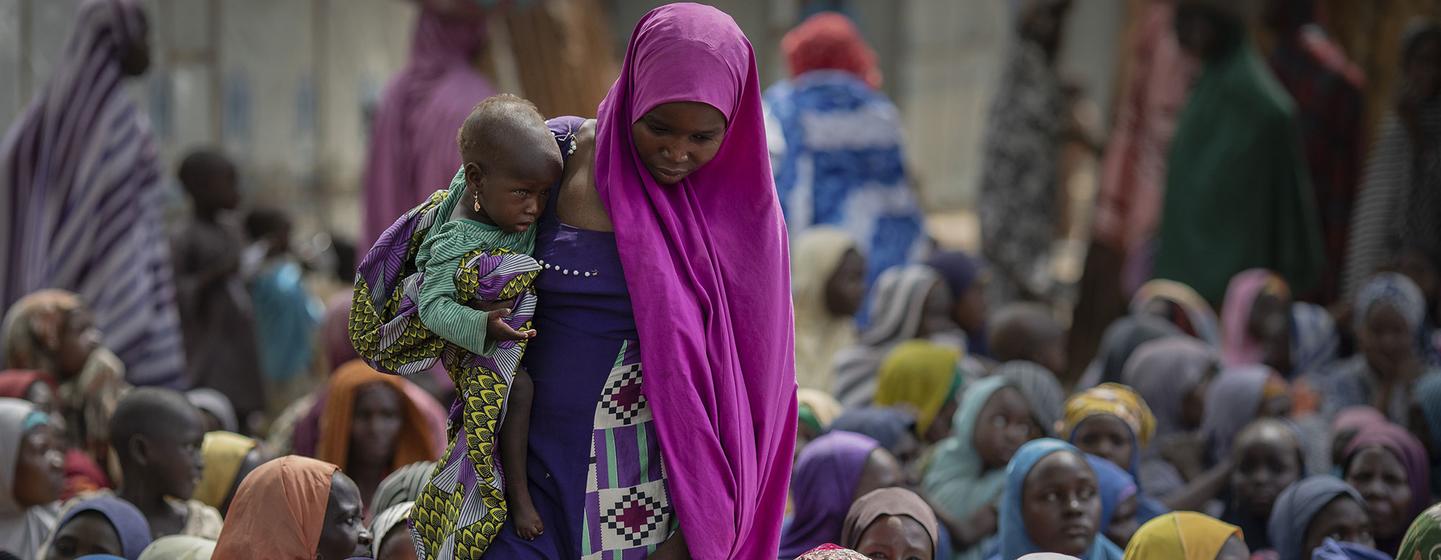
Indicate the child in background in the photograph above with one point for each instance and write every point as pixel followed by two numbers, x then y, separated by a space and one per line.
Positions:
pixel 157 435
pixel 215 309
pixel 472 269
pixel 286 315
pixel 1027 331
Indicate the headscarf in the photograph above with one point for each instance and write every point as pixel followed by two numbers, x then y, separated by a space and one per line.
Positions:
pixel 885 425
pixel 817 409
pixel 1354 418
pixel 897 305
pixel 723 396
pixel 31 332
pixel 129 524
pixel 1426 394
pixel 921 375
pixel 1394 290
pixel 414 442
pixel 335 331
pixel 1332 550
pixel 960 271
pixel 1123 338
pixel 956 480
pixel 179 547
pixel 1197 319
pixel 820 334
pixel 1315 343
pixel 1015 541
pixel 1183 535
pixel 1233 400
pixel 388 519
pixel 1408 451
pixel 885 502
pixel 16 383
pixel 1297 505
pixel 1423 539
pixel 403 485
pixel 278 512
pixel 224 452
pixel 1238 347
pixel 81 195
pixel 412 148
pixel 216 404
pixel 1041 389
pixel 831 552
pixel 1112 399
pixel 305 433
pixel 1115 486
pixel 22 530
pixel 829 41
pixel 1163 372
pixel 823 488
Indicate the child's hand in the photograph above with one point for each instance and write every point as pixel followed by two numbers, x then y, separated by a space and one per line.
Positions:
pixel 496 328
pixel 527 521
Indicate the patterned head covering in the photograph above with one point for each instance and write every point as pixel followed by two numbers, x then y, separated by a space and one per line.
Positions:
pixel 1111 399
pixel 1408 451
pixel 831 552
pixel 1238 347
pixel 1182 535
pixel 1196 319
pixel 1041 389
pixel 1163 372
pixel 403 485
pixel 1423 539
pixel 889 502
pixel 829 41
pixel 224 453
pixel 823 488
pixel 1015 541
pixel 1295 508
pixel 388 519
pixel 1314 340
pixel 1392 290
pixel 898 303
pixel 129 524
pixel 33 326
pixel 922 375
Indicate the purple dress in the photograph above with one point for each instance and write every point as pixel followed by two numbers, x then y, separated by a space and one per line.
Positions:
pixel 594 464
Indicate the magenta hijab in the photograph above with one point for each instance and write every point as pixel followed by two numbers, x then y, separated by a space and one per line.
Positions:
pixel 412 141
pixel 1408 451
pixel 702 259
pixel 1238 347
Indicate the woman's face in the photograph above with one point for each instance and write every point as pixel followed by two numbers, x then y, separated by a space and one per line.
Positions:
pixel 1002 427
pixel 1107 437
pixel 1060 504
pixel 940 427
pixel 847 285
pixel 376 424
pixel 342 531
pixel 88 533
pixel 40 468
pixel 1342 520
pixel 1267 461
pixel 1124 522
pixel 896 537
pixel 1379 476
pixel 675 139
pixel 1386 341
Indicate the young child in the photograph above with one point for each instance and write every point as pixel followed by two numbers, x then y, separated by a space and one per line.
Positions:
pixel 286 315
pixel 157 435
pixel 215 308
pixel 472 268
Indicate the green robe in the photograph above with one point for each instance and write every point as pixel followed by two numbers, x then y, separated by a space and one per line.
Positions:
pixel 1237 191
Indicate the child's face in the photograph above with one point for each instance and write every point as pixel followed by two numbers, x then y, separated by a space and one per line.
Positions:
pixel 174 460
pixel 1107 437
pixel 1381 479
pixel 1343 520
pixel 847 285
pixel 1003 426
pixel 378 419
pixel 1123 522
pixel 1267 461
pixel 675 139
pixel 896 537
pixel 39 468
pixel 1386 341
pixel 1060 504
pixel 513 190
pixel 970 312
pixel 85 534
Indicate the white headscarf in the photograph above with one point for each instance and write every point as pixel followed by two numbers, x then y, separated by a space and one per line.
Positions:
pixel 22 530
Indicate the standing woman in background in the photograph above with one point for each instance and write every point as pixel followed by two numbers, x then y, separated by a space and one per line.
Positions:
pixel 80 190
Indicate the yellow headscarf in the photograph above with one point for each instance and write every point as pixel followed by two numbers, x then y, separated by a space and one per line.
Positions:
pixel 1116 400
pixel 817 253
pixel 223 453
pixel 1182 535
pixel 919 374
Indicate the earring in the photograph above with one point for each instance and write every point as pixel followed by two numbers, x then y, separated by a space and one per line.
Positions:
pixel 476 198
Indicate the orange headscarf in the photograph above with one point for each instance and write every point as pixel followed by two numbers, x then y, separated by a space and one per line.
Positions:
pixel 415 442
pixel 278 512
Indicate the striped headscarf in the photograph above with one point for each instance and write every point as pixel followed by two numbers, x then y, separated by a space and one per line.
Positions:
pixel 403 485
pixel 1196 319
pixel 897 307
pixel 80 190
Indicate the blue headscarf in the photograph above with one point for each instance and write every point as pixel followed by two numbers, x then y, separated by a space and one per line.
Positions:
pixel 1297 506
pixel 1015 541
pixel 1115 484
pixel 129 524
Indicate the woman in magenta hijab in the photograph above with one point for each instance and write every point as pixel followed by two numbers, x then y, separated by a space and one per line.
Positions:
pixel 663 245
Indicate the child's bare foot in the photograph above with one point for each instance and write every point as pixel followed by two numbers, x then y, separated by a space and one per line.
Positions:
pixel 527 519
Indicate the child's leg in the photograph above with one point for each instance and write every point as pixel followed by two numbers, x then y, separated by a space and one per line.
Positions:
pixel 513 450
